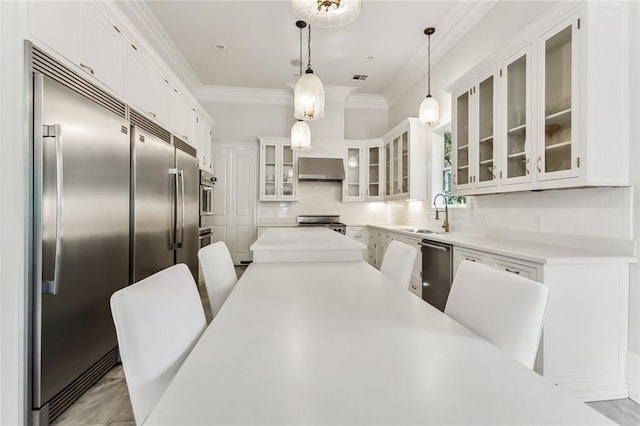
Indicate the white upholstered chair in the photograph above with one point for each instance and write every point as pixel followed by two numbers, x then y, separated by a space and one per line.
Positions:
pixel 398 261
pixel 505 309
pixel 219 273
pixel 158 320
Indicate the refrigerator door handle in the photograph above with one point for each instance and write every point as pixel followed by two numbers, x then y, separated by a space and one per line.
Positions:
pixel 182 212
pixel 173 242
pixel 51 285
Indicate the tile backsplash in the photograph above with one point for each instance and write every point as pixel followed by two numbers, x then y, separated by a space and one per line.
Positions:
pixel 558 217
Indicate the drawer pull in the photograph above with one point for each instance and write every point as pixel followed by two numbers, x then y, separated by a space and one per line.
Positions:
pixel 512 271
pixel 87 67
pixel 471 260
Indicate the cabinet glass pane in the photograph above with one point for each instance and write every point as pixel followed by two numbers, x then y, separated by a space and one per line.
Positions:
pixel 374 172
pixel 405 162
pixel 557 105
pixel 270 170
pixel 516 118
pixel 396 164
pixel 485 144
pixel 353 172
pixel 462 143
pixel 388 167
pixel 287 170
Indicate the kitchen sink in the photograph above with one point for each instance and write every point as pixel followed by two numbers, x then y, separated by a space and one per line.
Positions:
pixel 421 231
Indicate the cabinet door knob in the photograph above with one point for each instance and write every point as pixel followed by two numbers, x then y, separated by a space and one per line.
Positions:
pixel 526 166
pixel 538 164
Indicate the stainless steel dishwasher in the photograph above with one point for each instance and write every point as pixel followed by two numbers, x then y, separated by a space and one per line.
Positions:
pixel 437 272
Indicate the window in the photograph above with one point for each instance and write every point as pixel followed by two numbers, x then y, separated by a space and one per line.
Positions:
pixel 446 172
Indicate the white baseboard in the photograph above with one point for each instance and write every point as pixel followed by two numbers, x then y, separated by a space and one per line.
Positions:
pixel 633 375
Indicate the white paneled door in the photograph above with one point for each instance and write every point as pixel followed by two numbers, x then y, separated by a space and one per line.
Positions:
pixel 235 199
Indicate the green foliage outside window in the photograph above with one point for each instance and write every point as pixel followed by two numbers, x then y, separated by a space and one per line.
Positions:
pixel 446 174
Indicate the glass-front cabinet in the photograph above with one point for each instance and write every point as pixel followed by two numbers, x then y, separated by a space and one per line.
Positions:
pixel 375 172
pixel 558 143
pixel 405 149
pixel 461 176
pixel 353 184
pixel 474 155
pixel 516 128
pixel 278 180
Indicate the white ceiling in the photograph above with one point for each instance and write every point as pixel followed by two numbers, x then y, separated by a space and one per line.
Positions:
pixel 262 41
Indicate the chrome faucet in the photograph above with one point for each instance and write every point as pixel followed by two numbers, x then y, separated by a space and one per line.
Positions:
pixel 445 225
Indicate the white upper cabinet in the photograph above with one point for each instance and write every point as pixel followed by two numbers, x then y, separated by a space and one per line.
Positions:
pixel 354 181
pixel 475 112
pixel 102 48
pixel 278 171
pixel 560 114
pixel 56 24
pixel 79 32
pixel 406 161
pixel 515 124
pixel 558 144
pixel 375 171
pixel 147 91
pixel 183 117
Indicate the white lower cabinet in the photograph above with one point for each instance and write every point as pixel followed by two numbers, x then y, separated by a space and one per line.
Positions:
pixel 360 233
pixel 584 340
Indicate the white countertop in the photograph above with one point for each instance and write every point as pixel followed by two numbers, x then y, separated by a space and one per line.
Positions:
pixel 538 253
pixel 305 245
pixel 339 343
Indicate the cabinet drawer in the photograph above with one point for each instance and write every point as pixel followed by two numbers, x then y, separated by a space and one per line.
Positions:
pixel 460 255
pixel 516 268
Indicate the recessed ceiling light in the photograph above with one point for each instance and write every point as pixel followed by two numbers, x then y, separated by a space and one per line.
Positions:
pixel 220 46
pixel 370 57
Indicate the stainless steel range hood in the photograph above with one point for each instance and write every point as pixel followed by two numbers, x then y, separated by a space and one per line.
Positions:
pixel 320 169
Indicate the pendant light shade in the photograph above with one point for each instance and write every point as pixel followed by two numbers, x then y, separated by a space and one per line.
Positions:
pixel 308 95
pixel 300 136
pixel 308 98
pixel 327 13
pixel 429 109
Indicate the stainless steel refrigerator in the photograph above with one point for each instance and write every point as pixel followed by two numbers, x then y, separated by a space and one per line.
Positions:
pixel 164 200
pixel 80 249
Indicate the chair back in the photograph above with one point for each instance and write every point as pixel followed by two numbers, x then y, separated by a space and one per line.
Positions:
pixel 398 261
pixel 505 309
pixel 158 320
pixel 219 273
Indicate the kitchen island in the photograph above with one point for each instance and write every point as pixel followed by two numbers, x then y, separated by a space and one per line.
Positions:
pixel 306 245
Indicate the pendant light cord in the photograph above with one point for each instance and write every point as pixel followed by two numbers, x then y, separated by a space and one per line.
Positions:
pixel 429 65
pixel 309 49
pixel 300 61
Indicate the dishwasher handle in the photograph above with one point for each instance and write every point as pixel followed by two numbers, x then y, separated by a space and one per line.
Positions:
pixel 437 247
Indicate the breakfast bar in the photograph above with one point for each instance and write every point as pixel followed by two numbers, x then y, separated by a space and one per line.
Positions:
pixel 340 343
pixel 306 245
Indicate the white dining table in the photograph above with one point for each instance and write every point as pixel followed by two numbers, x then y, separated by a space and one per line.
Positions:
pixel 338 342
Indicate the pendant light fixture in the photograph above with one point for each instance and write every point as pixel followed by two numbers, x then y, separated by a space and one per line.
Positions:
pixel 308 95
pixel 429 109
pixel 300 131
pixel 327 13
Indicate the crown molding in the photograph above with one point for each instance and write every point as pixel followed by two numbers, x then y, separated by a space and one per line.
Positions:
pixel 140 16
pixel 366 101
pixel 244 95
pixel 458 22
pixel 284 97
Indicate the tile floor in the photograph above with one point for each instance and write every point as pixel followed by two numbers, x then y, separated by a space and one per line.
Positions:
pixel 107 402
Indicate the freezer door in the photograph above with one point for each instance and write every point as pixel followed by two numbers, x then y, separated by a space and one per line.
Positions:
pixel 189 211
pixel 153 189
pixel 81 233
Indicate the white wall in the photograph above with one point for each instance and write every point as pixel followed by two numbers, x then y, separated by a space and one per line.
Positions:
pixel 13 216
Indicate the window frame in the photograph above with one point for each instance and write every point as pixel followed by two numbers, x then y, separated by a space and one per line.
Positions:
pixel 437 139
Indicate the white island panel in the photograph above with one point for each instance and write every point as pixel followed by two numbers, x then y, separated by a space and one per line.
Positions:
pixel 306 245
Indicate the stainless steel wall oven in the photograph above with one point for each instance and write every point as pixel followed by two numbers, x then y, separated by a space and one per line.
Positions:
pixel 207 183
